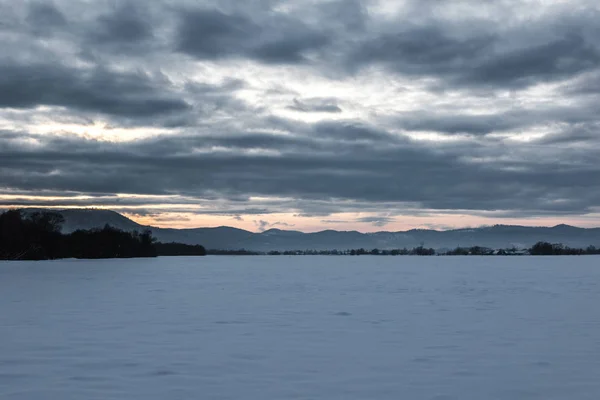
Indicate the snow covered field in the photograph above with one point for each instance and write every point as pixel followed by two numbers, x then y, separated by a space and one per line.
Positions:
pixel 270 328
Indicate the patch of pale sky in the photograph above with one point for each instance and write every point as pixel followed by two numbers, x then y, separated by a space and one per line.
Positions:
pixel 435 137
pixel 348 221
pixel 532 134
pixel 99 131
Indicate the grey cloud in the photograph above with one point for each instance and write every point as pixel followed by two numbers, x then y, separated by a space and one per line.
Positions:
pixel 143 213
pixel 577 134
pixel 455 121
pixel 213 34
pixel 351 15
pixel 261 225
pixel 218 89
pixel 283 224
pixel 461 123
pixel 322 105
pixel 439 227
pixel 482 55
pixel 376 221
pixel 421 50
pixel 125 24
pixel 171 218
pixel 559 58
pixel 45 17
pixel 339 35
pixel 433 178
pixel 586 85
pixel 98 90
pixel 352 131
pixel 318 212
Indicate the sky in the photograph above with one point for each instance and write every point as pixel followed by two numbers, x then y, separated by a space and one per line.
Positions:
pixel 304 115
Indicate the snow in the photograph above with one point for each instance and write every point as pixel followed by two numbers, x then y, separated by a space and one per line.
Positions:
pixel 301 328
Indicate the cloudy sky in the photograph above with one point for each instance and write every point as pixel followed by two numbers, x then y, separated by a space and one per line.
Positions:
pixel 300 114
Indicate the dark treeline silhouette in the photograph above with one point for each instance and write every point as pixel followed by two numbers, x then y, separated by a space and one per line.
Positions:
pixel 37 236
pixel 179 249
pixel 109 242
pixel 558 249
pixel 473 251
pixel 417 251
pixel 541 248
pixel 241 252
pixel 420 251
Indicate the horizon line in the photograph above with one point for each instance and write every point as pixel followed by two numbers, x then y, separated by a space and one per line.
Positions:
pixel 91 208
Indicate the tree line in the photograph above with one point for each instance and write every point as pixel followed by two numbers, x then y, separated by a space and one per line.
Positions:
pixel 37 236
pixel 558 249
pixel 540 248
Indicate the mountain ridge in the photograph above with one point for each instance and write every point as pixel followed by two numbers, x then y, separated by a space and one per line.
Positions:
pixel 231 238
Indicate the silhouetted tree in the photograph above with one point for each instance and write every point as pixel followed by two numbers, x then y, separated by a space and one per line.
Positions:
pixel 34 237
pixel 543 249
pixel 459 251
pixel 179 249
pixel 422 251
pixel 110 242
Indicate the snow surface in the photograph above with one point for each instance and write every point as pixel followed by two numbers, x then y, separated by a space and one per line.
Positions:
pixel 269 328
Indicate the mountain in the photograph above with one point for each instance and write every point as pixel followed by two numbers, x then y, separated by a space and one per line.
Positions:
pixel 91 218
pixel 227 238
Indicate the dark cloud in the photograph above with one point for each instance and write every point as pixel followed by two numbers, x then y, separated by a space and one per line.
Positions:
pixel 351 15
pixel 99 90
pixel 556 59
pixel 212 34
pixel 456 121
pixel 421 50
pixel 353 131
pixel 126 24
pixel 45 17
pixel 481 56
pixel 440 178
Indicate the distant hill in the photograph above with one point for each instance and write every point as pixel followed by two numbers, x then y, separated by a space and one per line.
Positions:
pixel 92 218
pixel 228 238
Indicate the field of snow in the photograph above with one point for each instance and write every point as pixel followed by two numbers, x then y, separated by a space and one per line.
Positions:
pixel 271 328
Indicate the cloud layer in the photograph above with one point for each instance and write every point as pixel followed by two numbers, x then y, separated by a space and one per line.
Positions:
pixel 378 108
